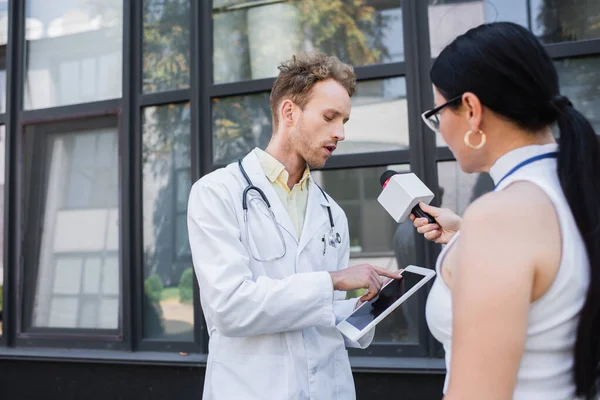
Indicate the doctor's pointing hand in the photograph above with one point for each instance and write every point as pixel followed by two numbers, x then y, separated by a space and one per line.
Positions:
pixel 364 276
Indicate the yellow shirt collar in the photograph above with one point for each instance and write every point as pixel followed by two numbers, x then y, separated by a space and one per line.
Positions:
pixel 275 171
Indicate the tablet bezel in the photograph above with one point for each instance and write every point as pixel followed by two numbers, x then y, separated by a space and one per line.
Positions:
pixel 355 334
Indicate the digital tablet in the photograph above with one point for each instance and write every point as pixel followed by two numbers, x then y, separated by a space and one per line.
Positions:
pixel 394 293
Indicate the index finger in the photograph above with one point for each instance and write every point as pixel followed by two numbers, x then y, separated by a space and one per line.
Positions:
pixel 388 273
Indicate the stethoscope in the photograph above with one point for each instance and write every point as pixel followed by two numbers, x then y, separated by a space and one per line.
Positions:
pixel 333 238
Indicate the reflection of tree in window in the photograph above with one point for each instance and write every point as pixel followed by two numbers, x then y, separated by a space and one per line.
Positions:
pixel 166 46
pixel 167 165
pixel 168 309
pixel 248 43
pixel 569 20
pixel 580 80
pixel 356 191
pixel 240 123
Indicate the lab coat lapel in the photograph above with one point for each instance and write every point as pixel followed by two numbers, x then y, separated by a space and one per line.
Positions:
pixel 258 178
pixel 316 214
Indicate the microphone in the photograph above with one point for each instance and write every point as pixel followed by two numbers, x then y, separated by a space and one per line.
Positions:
pixel 401 195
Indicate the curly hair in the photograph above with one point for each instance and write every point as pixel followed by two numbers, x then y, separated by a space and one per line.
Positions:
pixel 298 75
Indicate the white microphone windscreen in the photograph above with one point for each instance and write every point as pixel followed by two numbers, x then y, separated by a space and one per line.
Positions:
pixel 402 193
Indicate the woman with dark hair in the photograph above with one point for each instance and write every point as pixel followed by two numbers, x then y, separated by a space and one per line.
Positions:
pixel 516 302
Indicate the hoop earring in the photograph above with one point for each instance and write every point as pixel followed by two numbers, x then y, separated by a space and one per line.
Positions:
pixel 468 140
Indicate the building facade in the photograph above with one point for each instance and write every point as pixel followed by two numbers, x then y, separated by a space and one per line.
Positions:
pixel 111 109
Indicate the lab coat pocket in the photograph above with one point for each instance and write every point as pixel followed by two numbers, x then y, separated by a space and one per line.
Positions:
pixel 323 254
pixel 264 234
pixel 343 376
pixel 250 377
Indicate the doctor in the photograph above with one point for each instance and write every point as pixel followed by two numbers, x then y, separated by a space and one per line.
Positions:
pixel 271 249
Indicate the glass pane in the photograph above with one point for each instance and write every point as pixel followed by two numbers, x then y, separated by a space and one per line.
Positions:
pixel 166 45
pixel 379 118
pixel 458 189
pixel 371 228
pixel 378 121
pixel 78 234
pixel 92 273
pixel 3 43
pixel 551 21
pixel 580 81
pixel 92 171
pixel 2 155
pixel 375 237
pixel 240 123
pixel 250 40
pixel 73 52
pixel 168 276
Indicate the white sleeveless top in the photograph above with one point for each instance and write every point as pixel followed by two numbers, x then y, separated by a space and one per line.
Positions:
pixel 545 371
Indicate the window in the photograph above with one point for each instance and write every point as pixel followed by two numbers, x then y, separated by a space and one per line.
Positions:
pixel 73 52
pixel 3 43
pixel 551 21
pixel 458 189
pixel 2 177
pixel 378 122
pixel 252 38
pixel 72 219
pixel 580 81
pixel 168 271
pixel 166 45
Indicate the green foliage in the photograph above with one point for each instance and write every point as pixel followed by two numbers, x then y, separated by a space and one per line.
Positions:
pixel 166 45
pixel 153 288
pixel 352 294
pixel 186 286
pixel 342 28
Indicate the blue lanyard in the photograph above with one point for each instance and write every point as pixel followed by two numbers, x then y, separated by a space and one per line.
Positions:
pixel 524 163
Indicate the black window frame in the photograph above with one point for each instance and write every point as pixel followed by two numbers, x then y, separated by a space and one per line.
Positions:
pixel 422 157
pixel 29 245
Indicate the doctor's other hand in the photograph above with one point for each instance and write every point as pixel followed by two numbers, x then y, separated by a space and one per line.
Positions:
pixel 448 223
pixel 363 276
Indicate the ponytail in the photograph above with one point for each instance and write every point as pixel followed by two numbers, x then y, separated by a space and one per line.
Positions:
pixel 579 175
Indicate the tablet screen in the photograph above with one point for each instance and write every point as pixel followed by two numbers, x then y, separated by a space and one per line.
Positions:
pixel 370 310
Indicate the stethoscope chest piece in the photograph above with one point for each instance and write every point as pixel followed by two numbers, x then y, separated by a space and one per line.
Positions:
pixel 334 238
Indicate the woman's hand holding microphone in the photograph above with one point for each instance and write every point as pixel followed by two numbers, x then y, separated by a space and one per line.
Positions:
pixel 448 223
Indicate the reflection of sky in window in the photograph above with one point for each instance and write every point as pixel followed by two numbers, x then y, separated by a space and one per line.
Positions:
pixel 46 11
pixel 375 91
pixel 54 18
pixel 514 11
pixel 393 39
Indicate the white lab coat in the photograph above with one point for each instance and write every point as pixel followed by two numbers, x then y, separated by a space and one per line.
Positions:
pixel 271 325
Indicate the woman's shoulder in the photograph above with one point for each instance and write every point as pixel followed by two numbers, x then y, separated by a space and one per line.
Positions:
pixel 519 203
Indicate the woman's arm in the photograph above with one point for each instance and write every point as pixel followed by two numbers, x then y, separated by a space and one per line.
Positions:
pixel 492 285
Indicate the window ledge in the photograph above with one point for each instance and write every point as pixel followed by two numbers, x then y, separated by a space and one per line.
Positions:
pixel 104 356
pixel 359 364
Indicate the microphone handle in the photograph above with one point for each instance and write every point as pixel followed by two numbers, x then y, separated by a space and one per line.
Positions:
pixel 417 212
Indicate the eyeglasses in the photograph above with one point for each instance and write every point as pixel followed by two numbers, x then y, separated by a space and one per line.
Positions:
pixel 431 117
